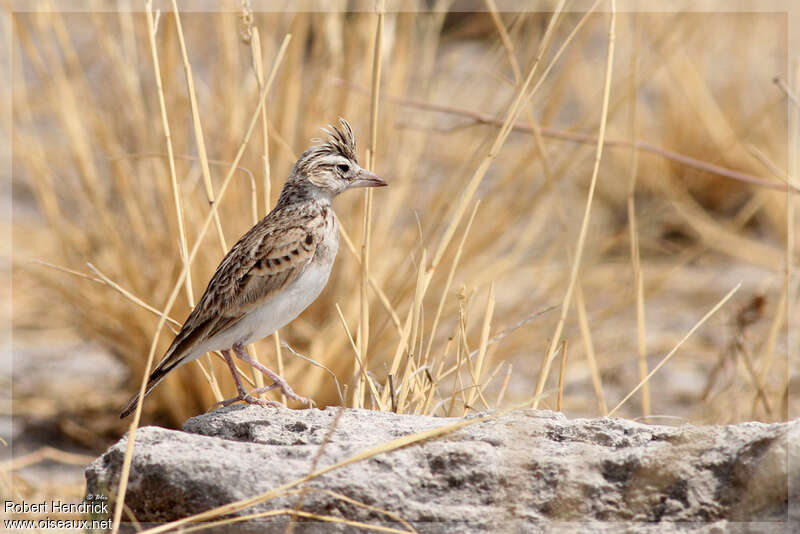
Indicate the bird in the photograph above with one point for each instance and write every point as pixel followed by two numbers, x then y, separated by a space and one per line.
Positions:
pixel 274 271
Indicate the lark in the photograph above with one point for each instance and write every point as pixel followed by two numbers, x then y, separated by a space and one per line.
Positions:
pixel 275 271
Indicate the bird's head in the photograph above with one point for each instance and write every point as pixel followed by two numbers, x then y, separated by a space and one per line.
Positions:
pixel 331 166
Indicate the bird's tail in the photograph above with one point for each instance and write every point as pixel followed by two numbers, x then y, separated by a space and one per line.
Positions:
pixel 155 378
pixel 175 356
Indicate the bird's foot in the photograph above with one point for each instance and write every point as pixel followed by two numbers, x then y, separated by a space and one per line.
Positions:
pixel 289 392
pixel 249 399
pixel 277 380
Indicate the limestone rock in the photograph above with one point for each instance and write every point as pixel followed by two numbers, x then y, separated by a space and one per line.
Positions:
pixel 524 471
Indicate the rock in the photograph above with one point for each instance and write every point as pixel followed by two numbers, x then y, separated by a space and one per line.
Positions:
pixel 523 471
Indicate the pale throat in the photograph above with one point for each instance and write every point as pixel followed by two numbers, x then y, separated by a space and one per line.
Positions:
pixel 296 193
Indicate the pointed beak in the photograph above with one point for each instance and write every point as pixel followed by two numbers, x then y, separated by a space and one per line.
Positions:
pixel 367 179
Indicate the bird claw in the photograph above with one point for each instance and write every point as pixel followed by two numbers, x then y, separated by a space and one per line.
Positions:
pixel 305 400
pixel 286 390
pixel 295 397
pixel 249 399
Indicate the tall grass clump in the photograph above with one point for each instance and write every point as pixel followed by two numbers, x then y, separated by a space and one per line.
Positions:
pixel 552 177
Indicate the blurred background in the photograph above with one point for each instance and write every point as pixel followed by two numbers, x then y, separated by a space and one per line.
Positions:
pixel 467 272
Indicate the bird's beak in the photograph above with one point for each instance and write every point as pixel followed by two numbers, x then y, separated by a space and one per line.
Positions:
pixel 367 179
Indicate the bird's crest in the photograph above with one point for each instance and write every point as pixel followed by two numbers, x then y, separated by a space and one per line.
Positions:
pixel 340 142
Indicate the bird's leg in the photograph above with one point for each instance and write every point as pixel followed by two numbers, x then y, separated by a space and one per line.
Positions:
pixel 242 354
pixel 243 395
pixel 259 391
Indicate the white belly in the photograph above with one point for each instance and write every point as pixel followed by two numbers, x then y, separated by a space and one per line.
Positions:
pixel 284 307
pixel 274 314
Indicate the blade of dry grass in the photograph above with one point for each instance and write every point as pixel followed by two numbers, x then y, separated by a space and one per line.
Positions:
pixel 666 358
pixel 792 178
pixel 290 512
pixel 314 463
pixel 400 349
pixel 363 330
pixel 561 372
pixel 198 125
pixel 258 69
pixel 42 454
pixel 591 358
pixel 547 167
pixel 316 364
pixel 501 394
pixel 638 283
pixel 406 378
pixel 477 369
pixel 360 504
pixel 128 295
pixel 450 274
pixel 586 214
pixel 360 370
pixel 103 279
pixel 373 283
pixel 162 105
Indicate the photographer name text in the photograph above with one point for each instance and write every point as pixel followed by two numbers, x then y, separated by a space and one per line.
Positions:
pixel 98 507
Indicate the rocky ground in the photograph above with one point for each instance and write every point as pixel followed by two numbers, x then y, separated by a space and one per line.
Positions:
pixel 522 471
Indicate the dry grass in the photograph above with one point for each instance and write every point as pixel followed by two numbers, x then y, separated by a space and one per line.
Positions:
pixel 531 168
pixel 112 189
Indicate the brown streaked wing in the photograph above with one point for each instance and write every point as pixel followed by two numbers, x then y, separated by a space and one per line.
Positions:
pixel 264 261
pixel 277 261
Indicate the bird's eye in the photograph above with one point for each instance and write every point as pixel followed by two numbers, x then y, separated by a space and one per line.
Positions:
pixel 343 168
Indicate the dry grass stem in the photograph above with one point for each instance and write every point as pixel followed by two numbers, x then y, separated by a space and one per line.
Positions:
pixel 477 369
pixel 42 454
pixel 450 274
pixel 198 126
pixel 316 364
pixel 792 180
pixel 638 283
pixel 666 358
pixel 503 388
pixel 314 463
pixel 375 287
pixel 153 28
pixel 363 326
pixel 561 372
pixel 586 214
pixel 591 357
pixel 290 512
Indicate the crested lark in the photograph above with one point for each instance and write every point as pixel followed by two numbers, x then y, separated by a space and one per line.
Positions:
pixel 276 270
